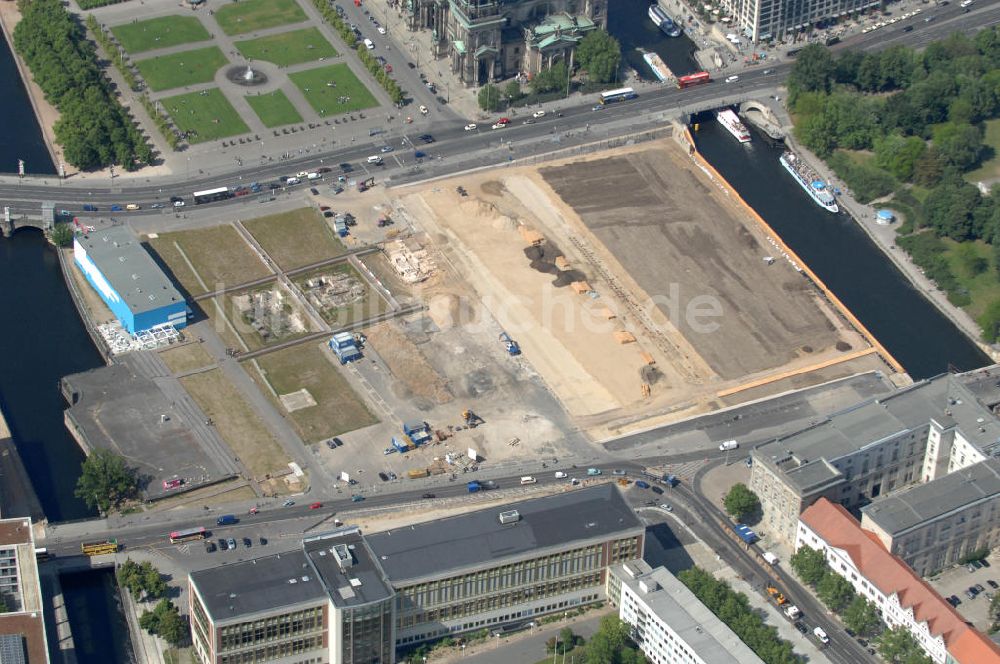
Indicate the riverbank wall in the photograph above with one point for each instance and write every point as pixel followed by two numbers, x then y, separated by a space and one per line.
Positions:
pixel 17 494
pixel 45 113
pixel 688 140
pixel 66 264
pixel 57 628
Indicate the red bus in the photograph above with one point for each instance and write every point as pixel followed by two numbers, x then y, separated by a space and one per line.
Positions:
pixel 693 79
pixel 188 534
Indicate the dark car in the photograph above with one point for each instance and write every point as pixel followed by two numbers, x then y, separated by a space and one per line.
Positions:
pixel 357 498
pixel 314 191
pixel 971 593
pixel 984 562
pixel 908 28
pixel 346 168
pixel 383 477
pixel 641 484
pixel 337 441
pixel 332 445
pixel 979 588
pixel 656 490
pixel 954 600
pixel 799 625
pixel 222 544
pixel 209 546
pixel 89 208
pixel 411 65
pixel 247 542
pixel 273 186
pixel 116 208
pixel 263 541
pixel 426 138
pixel 428 495
pixel 992 584
pixel 329 215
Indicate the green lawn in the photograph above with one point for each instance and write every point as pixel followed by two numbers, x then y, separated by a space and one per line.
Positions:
pixel 288 48
pixel 973 266
pixel 248 15
pixel 180 69
pixel 274 109
pixel 295 238
pixel 318 86
pixel 208 115
pixel 160 33
pixel 990 168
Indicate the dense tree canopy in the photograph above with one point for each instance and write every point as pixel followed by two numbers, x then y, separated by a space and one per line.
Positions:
pixel 809 564
pixel 740 502
pixel 93 129
pixel 106 481
pixel 599 54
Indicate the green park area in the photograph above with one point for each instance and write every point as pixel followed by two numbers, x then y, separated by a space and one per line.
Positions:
pixel 337 408
pixel 333 90
pixel 296 238
pixel 989 169
pixel 160 32
pixel 288 48
pixel 274 109
pixel 249 15
pixel 205 115
pixel 180 69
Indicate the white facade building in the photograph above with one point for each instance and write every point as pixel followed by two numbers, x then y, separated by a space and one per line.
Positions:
pixel 668 622
pixel 763 20
pixel 902 597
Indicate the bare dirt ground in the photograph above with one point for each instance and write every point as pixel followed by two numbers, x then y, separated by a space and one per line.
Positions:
pixel 592 343
pixel 416 378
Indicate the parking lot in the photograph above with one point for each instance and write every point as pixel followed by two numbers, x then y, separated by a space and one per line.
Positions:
pixel 959 581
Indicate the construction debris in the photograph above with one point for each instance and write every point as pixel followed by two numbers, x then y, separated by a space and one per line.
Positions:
pixel 409 259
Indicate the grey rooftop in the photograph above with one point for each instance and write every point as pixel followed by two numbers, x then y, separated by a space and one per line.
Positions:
pixel 129 269
pixel 262 584
pixel 347 567
pixel 477 539
pixel 923 503
pixel 671 601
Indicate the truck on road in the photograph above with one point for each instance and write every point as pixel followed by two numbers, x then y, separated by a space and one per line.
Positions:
pixel 226 520
pixel 745 533
pixel 793 612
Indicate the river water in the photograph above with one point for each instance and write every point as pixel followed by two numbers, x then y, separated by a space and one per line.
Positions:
pixel 20 136
pixel 631 25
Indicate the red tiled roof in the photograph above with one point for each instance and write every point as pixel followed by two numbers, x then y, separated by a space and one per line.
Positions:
pixel 893 576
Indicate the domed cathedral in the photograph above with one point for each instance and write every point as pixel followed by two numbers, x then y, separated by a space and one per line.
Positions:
pixel 486 41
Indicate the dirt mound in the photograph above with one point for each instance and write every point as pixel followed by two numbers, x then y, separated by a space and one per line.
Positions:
pixel 493 188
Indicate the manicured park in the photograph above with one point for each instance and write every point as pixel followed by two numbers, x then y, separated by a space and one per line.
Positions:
pixel 207 115
pixel 180 69
pixel 273 109
pixel 288 48
pixel 160 32
pixel 333 90
pixel 249 15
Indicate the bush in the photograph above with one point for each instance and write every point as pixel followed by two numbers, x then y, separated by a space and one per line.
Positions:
pixel 867 182
pixel 927 250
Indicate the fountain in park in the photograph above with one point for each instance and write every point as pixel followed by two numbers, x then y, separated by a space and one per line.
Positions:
pixel 246 76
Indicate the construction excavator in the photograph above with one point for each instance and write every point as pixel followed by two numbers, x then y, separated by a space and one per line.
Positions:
pixel 471 419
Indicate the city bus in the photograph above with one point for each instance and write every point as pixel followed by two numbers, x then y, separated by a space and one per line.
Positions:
pixel 99 547
pixel 621 94
pixel 693 79
pixel 188 535
pixel 210 195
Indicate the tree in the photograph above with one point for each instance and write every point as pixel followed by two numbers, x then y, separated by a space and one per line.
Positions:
pixel 489 97
pixel 554 78
pixel 995 608
pixel 809 564
pixel 165 621
pixel 835 591
pixel 862 616
pixel 609 643
pixel 62 235
pixel 989 322
pixel 600 54
pixel 813 71
pixel 740 502
pixel 513 92
pixel 960 145
pixel 106 481
pixel 897 646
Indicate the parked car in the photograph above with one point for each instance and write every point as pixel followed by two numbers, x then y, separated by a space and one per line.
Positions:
pixel 383 477
pixel 231 543
pixel 992 584
pixel 247 542
pixel 262 541
pixel 641 484
pixel 667 507
pixel 954 600
pixel 314 191
pixel 979 588
pixel 209 546
pixel 222 544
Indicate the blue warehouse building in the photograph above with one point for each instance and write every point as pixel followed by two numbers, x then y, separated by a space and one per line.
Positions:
pixel 138 292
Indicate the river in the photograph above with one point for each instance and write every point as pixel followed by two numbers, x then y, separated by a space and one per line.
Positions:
pixel 915 331
pixel 21 136
pixel 631 25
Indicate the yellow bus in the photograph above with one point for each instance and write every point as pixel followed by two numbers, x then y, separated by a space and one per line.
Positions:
pixel 100 547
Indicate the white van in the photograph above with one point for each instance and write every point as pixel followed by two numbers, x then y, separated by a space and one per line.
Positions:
pixel 770 558
pixel 369 45
pixel 560 475
pixel 375 159
pixel 728 445
pixel 313 176
pixel 821 635
pixel 965 3
pixel 291 181
pixel 528 479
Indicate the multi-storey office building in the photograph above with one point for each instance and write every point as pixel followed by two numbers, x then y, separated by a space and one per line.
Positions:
pixel 764 20
pixel 903 599
pixel 348 598
pixel 668 622
pixel 22 625
pixel 914 435
pixel 934 525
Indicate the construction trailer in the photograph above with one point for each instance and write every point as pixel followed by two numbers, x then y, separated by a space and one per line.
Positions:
pixel 345 347
pixel 419 433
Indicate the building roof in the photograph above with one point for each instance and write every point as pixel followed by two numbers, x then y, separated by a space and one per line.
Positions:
pixel 944 399
pixel 923 503
pixel 24 636
pixel 15 531
pixel 892 576
pixel 691 620
pixel 347 567
pixel 262 584
pixel 478 539
pixel 128 269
